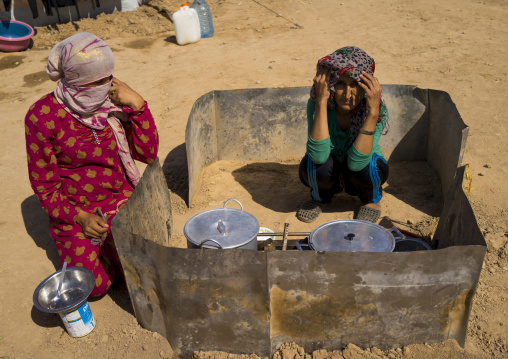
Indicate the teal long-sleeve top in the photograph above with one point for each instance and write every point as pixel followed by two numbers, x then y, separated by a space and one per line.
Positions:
pixel 337 143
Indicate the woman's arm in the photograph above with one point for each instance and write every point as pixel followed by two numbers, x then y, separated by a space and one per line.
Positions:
pixel 356 160
pixel 319 130
pixel 318 151
pixel 141 130
pixel 142 134
pixel 364 141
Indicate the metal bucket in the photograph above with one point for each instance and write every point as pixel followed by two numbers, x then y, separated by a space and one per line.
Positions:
pixel 74 309
pixel 351 235
pixel 222 228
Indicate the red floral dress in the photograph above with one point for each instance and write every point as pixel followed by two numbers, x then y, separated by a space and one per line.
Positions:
pixel 70 171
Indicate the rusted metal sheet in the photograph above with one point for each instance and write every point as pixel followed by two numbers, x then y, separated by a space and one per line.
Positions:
pixel 447 137
pixel 387 300
pixel 261 124
pixel 457 224
pixel 200 140
pixel 271 125
pixel 150 221
pixel 244 301
pixel 406 135
pixel 198 299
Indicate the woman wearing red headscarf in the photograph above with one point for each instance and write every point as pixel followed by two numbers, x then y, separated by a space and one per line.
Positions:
pixel 82 140
pixel 346 117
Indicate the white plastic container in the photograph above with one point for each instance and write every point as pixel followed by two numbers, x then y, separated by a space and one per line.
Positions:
pixel 186 23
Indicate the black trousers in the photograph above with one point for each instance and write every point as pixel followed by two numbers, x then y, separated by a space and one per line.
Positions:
pixel 333 177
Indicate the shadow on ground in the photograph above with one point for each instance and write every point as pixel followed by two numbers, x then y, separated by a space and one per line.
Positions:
pixel 416 184
pixel 37 226
pixel 36 222
pixel 277 186
pixel 176 172
pixel 46 320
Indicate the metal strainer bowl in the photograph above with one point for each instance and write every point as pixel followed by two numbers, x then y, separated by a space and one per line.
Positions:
pixel 77 285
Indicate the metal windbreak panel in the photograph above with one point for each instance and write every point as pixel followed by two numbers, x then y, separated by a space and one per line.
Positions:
pixel 200 140
pixel 262 124
pixel 198 299
pixel 152 188
pixel 457 223
pixel 141 263
pixel 447 137
pixel 270 124
pixel 218 301
pixel 327 300
pixel 244 301
pixel 406 134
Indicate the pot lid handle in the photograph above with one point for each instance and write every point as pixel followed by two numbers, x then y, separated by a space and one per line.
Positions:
pixel 221 227
pixel 210 240
pixel 232 199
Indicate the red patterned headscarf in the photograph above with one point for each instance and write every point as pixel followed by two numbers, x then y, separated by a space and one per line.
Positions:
pixel 351 61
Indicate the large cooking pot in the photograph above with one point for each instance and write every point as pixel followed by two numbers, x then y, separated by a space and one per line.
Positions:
pixel 222 228
pixel 351 235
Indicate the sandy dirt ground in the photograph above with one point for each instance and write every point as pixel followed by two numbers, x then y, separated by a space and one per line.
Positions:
pixel 458 46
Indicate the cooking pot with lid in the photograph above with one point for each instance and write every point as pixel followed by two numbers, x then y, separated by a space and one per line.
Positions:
pixel 222 228
pixel 351 235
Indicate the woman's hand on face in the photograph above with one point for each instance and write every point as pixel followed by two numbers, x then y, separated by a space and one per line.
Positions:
pixel 93 226
pixel 122 95
pixel 321 83
pixel 372 88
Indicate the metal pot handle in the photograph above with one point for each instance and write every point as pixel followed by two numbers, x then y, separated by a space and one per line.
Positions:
pixel 400 235
pixel 210 240
pixel 232 199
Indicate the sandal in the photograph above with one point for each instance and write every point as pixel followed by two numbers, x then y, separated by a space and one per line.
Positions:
pixel 309 211
pixel 368 214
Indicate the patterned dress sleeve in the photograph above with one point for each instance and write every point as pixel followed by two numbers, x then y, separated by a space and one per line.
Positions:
pixel 142 134
pixel 42 164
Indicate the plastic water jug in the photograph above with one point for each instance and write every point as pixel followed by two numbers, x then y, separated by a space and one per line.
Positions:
pixel 186 23
pixel 205 17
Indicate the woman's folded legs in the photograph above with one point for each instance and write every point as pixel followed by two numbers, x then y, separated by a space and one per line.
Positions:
pixel 331 177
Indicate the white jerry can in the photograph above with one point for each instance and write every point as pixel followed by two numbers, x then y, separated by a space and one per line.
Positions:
pixel 186 23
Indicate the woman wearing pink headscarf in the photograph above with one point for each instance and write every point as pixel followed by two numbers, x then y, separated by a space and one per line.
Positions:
pixel 82 140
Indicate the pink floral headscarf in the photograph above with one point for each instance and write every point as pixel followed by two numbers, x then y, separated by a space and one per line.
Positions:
pixel 81 59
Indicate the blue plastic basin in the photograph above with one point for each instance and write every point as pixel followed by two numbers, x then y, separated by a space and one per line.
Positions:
pixel 14 30
pixel 14 35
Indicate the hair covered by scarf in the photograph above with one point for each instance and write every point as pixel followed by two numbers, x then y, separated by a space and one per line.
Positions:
pixel 351 61
pixel 79 60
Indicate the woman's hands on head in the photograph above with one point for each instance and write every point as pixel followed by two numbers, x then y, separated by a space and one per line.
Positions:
pixel 372 88
pixel 322 84
pixel 122 95
pixel 93 226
